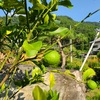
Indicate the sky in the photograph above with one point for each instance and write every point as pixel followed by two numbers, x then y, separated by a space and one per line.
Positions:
pixel 81 8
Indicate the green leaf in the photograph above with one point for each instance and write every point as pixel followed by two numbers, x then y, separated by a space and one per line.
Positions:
pixel 27 74
pixel 54 5
pixel 39 6
pixel 53 95
pixel 34 1
pixel 42 37
pixel 32 48
pixel 52 80
pixel 38 94
pixel 2 87
pixel 8 32
pixel 88 74
pixel 31 53
pixel 66 3
pixel 57 21
pixel 36 71
pixel 36 45
pixel 27 46
pixel 43 68
pixel 61 31
pixel 1 4
pixel 46 19
pixel 21 11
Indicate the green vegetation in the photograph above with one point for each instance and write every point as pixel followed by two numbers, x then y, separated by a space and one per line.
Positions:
pixel 29 36
pixel 39 94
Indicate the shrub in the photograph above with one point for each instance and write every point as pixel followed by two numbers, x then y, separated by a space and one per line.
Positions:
pixel 98 54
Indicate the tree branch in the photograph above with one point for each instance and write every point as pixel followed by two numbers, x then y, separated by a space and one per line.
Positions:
pixel 63 56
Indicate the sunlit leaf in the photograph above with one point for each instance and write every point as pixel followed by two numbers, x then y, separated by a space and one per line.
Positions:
pixel 27 46
pixel 36 71
pixel 52 80
pixel 53 4
pixel 32 46
pixel 1 4
pixel 57 21
pixel 88 74
pixel 36 45
pixel 34 1
pixel 46 19
pixel 31 53
pixel 21 11
pixel 39 6
pixel 38 94
pixel 32 49
pixel 2 87
pixel 8 32
pixel 61 31
pixel 42 37
pixel 65 3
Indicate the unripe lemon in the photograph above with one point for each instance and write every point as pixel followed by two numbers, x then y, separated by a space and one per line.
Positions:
pixel 92 84
pixel 52 57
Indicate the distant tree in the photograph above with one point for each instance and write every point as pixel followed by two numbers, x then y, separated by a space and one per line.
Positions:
pixel 98 55
pixel 82 40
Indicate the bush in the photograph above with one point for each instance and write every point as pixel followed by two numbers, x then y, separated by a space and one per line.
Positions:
pixel 98 54
pixel 76 64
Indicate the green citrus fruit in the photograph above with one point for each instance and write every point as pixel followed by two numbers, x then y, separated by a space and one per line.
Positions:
pixel 52 57
pixel 92 84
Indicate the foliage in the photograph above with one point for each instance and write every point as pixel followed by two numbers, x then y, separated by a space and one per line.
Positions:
pixel 74 65
pixel 98 54
pixel 2 88
pixel 25 38
pixel 94 63
pixel 86 29
pixel 88 74
pixel 28 37
pixel 40 94
pixel 94 95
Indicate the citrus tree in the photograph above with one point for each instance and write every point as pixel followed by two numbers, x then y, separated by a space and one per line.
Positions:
pixel 28 38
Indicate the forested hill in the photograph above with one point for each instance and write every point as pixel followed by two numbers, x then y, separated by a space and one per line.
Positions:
pixel 86 28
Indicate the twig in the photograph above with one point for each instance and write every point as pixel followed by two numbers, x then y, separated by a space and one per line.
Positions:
pixel 63 56
pixel 90 14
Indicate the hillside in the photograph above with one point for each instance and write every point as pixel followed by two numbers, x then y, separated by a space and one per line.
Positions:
pixel 86 28
pixel 83 33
